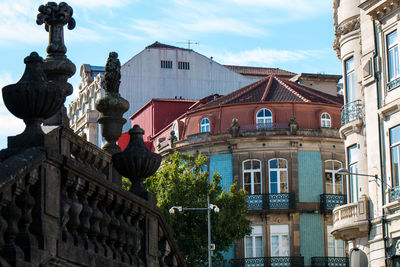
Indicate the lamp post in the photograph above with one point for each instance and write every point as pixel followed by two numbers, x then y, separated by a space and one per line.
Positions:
pixel 344 171
pixel 209 208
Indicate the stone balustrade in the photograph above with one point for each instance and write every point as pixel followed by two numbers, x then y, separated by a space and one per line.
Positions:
pixel 351 220
pixel 64 208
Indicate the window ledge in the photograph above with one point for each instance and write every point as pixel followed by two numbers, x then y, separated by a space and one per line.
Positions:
pixel 392 85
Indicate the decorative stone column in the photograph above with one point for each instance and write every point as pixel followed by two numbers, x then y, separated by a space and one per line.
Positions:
pixel 136 162
pixel 112 106
pixel 57 67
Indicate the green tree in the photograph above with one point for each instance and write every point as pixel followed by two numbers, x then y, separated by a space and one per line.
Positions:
pixel 183 181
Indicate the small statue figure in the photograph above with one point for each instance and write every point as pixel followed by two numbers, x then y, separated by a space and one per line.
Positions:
pixel 234 130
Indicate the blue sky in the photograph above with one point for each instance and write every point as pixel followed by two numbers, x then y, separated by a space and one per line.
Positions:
pixel 295 35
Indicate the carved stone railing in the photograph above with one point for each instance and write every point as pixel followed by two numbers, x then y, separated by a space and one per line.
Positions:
pixel 329 262
pixel 271 201
pixel 330 201
pixel 351 221
pixel 294 261
pixel 59 205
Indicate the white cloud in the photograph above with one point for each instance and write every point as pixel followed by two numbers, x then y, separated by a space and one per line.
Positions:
pixel 93 4
pixel 302 6
pixel 11 125
pixel 266 57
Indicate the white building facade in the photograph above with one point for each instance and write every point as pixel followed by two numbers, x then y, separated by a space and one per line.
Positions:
pixel 366 41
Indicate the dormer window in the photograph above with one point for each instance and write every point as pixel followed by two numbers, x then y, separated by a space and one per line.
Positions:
pixel 325 120
pixel 205 125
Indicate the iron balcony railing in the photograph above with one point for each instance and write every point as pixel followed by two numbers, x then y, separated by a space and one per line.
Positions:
pixel 271 201
pixel 352 111
pixel 392 84
pixel 394 194
pixel 295 261
pixel 330 201
pixel 265 126
pixel 329 262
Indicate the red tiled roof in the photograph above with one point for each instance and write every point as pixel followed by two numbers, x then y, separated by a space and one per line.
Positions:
pixel 274 89
pixel 259 71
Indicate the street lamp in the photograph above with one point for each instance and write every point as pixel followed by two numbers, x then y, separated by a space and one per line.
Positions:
pixel 209 208
pixel 344 171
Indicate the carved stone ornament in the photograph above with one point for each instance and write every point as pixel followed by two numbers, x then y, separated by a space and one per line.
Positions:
pixel 56 66
pixel 234 130
pixel 345 27
pixel 293 125
pixel 112 106
pixel 33 98
pixel 136 162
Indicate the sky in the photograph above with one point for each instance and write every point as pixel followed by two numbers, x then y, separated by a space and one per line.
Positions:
pixel 294 35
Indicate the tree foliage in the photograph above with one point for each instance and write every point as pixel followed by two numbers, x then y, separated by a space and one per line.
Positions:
pixel 183 181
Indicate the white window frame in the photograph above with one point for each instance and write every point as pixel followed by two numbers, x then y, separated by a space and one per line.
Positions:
pixel 330 169
pixel 353 178
pixel 264 120
pixel 205 125
pixel 278 171
pixel 256 233
pixel 325 120
pixel 350 80
pixel 394 156
pixel 335 247
pixel 252 171
pixel 392 53
pixel 282 232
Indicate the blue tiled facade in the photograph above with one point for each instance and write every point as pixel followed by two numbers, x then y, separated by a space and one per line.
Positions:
pixel 311 237
pixel 310 176
pixel 222 164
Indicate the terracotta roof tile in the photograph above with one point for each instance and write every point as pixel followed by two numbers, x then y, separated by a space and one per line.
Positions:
pixel 274 89
pixel 260 71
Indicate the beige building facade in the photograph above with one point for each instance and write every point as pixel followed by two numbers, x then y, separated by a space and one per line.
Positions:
pixel 366 42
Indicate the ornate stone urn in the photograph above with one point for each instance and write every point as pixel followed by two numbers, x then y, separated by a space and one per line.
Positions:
pixel 33 99
pixel 136 162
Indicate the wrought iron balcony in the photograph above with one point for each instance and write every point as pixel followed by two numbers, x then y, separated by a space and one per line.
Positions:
pixel 329 262
pixel 394 194
pixel 295 261
pixel 352 111
pixel 271 201
pixel 392 84
pixel 330 201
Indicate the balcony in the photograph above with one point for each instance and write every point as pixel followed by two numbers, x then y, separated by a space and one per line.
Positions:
pixel 351 112
pixel 271 201
pixel 295 261
pixel 392 84
pixel 351 221
pixel 330 201
pixel 264 126
pixel 329 262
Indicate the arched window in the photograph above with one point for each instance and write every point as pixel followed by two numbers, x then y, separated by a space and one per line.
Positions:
pixel 264 118
pixel 278 176
pixel 205 125
pixel 252 176
pixel 326 120
pixel 333 180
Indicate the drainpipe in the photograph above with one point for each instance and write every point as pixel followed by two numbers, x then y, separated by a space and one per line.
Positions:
pixel 381 140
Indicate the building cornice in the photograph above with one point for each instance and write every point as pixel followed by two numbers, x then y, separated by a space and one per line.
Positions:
pixel 379 10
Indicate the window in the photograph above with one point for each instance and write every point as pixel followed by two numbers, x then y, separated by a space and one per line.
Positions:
pixel 252 176
pixel 335 247
pixel 176 129
pixel 280 240
pixel 100 139
pixel 264 118
pixel 166 64
pixel 392 56
pixel 395 154
pixel 278 176
pixel 183 65
pixel 352 159
pixel 350 83
pixel 254 243
pixel 326 120
pixel 333 180
pixel 205 125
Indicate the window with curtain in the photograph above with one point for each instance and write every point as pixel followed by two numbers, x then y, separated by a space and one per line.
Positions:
pixel 326 120
pixel 280 245
pixel 254 243
pixel 278 176
pixel 333 180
